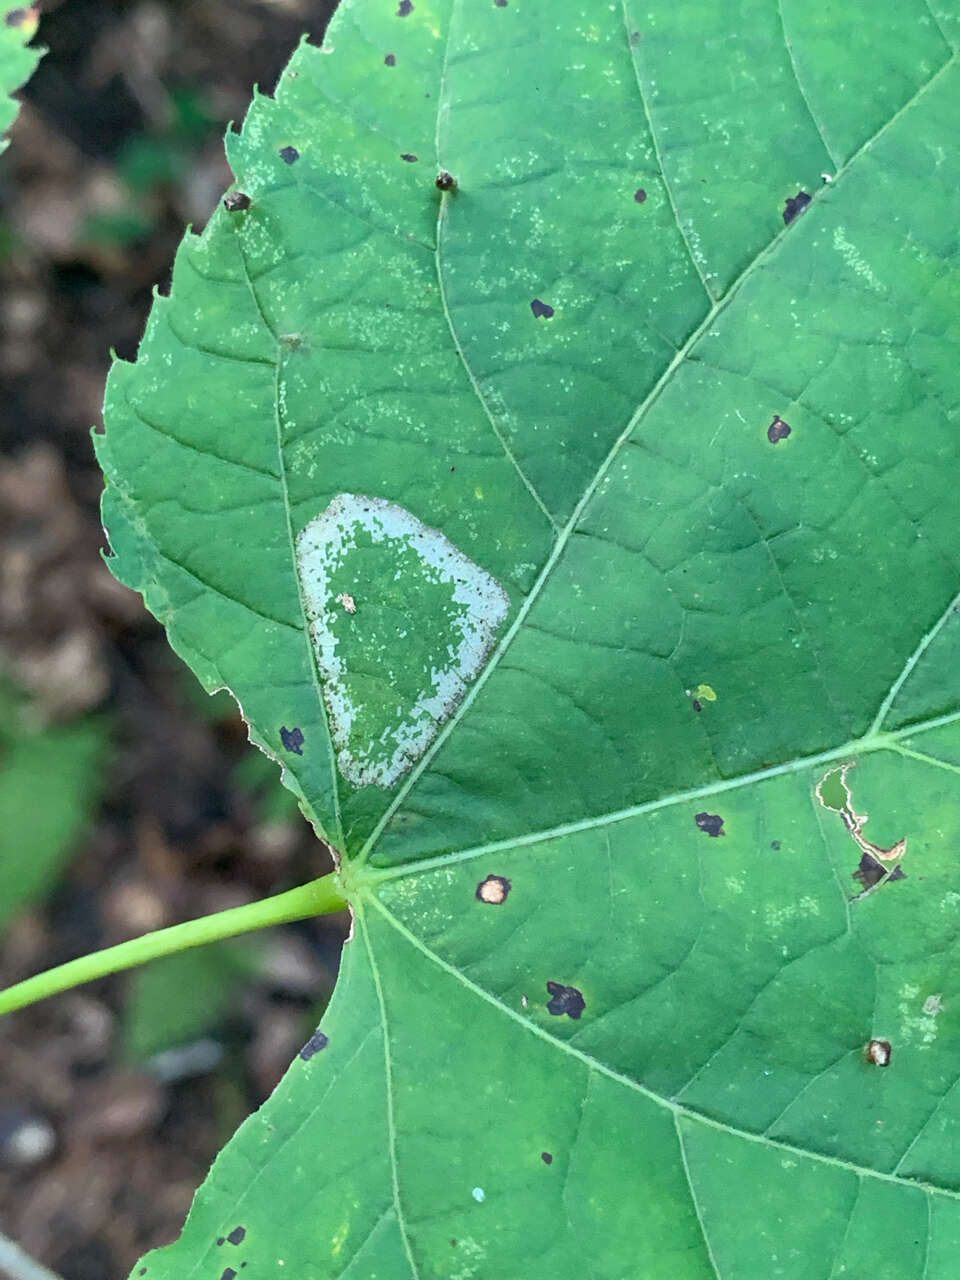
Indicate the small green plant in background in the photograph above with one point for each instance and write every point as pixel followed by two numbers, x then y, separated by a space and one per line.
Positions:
pixel 18 25
pixel 551 444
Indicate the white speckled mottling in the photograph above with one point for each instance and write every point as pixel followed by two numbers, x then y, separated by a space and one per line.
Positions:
pixel 321 548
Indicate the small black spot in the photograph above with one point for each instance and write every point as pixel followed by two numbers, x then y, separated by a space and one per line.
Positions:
pixel 778 429
pixel 316 1042
pixel 542 310
pixel 501 4
pixel 897 873
pixel 697 704
pixel 493 890
pixel 289 155
pixel 142 1271
pixel 221 1240
pixel 16 17
pixel 775 845
pixel 711 823
pixel 639 195
pixel 292 739
pixel 390 60
pixel 794 206
pixel 234 201
pixel 237 1235
pixel 879 1053
pixel 446 181
pixel 546 1157
pixel 405 8
pixel 409 157
pixel 566 1000
pixel 228 1274
pixel 870 871
pixel 634 39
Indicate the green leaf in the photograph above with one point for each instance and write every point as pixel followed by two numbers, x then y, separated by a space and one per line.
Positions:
pixel 50 781
pixel 173 1001
pixel 18 24
pixel 582 540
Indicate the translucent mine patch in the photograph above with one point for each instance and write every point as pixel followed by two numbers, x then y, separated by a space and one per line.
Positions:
pixel 401 622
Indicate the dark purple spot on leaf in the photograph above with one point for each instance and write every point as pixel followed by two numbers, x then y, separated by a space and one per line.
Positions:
pixel 390 60
pixel 546 1157
pixel 711 823
pixel 17 17
pixel 634 39
pixel 697 704
pixel 405 8
pixel 314 1045
pixel 289 155
pixel 870 871
pixel 221 1240
pixel 879 1053
pixel 640 195
pixel 409 157
pixel 565 1000
pixel 542 310
pixel 778 429
pixel 794 206
pixel 897 873
pixel 493 890
pixel 775 845
pixel 236 200
pixel 501 4
pixel 228 1274
pixel 237 1235
pixel 446 181
pixel 292 739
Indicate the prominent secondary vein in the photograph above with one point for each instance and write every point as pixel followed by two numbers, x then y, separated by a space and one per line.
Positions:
pixel 677 1109
pixel 285 492
pixel 912 661
pixel 853 748
pixel 388 1076
pixel 657 152
pixel 803 93
pixel 639 414
pixel 443 109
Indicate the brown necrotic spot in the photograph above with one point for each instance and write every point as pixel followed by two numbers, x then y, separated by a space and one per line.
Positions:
pixel 546 1157
pixel 778 429
pixel 289 155
pixel 237 1235
pixel 711 823
pixel 493 890
pixel 315 1044
pixel 409 157
pixel 640 195
pixel 446 181
pixel 542 310
pixel 565 1000
pixel 292 739
pixel 405 8
pixel 236 200
pixel 390 60
pixel 794 206
pixel 879 1053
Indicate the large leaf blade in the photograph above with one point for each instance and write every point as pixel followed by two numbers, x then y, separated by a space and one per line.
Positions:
pixel 708 617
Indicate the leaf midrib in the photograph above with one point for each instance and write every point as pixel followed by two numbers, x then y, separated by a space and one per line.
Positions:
pixel 643 408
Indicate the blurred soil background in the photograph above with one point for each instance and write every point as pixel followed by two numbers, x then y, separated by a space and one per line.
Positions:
pixel 131 800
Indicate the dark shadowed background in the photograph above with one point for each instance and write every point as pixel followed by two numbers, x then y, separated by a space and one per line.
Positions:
pixel 114 1098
